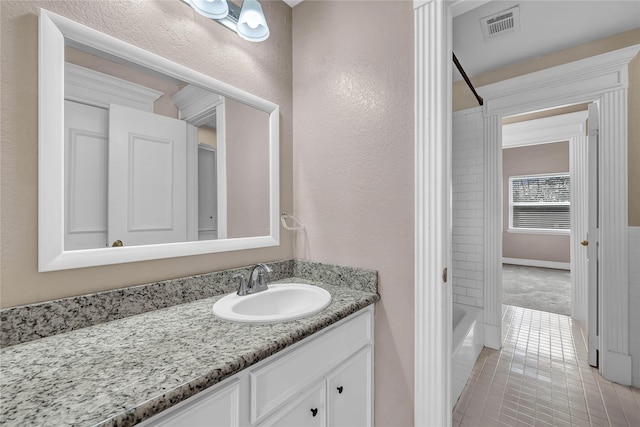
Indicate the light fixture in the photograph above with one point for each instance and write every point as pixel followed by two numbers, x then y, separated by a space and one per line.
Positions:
pixel 214 9
pixel 248 22
pixel 252 25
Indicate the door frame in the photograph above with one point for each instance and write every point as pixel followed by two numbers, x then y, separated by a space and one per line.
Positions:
pixel 604 81
pixel 571 127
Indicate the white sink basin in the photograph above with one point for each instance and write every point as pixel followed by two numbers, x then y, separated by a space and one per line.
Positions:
pixel 281 302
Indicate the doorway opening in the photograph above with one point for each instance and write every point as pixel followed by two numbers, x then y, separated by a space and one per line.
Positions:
pixel 540 169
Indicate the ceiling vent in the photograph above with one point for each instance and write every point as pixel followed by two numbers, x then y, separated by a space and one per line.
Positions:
pixel 498 24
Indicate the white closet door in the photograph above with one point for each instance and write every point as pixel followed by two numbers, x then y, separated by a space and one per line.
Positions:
pixel 147 177
pixel 85 175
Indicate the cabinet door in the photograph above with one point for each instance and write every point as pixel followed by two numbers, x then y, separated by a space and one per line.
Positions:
pixel 215 408
pixel 349 392
pixel 307 411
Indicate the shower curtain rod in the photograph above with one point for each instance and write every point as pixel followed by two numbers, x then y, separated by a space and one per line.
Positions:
pixel 466 79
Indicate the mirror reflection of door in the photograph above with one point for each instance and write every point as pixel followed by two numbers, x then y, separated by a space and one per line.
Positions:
pixel 125 177
pixel 130 175
pixel 147 178
pixel 86 148
pixel 207 193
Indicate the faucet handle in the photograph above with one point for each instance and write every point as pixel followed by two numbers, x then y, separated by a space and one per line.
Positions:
pixel 243 287
pixel 260 281
pixel 265 268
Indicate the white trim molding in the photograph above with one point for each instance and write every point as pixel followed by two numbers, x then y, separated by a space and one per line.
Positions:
pixel 603 79
pixel 433 74
pixel 634 302
pixel 546 130
pixel 195 105
pixel 493 232
pixel 99 90
pixel 579 81
pixel 614 237
pixel 433 297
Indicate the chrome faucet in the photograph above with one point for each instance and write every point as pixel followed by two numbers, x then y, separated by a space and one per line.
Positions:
pixel 257 282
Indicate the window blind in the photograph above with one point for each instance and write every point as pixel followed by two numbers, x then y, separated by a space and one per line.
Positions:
pixel 540 202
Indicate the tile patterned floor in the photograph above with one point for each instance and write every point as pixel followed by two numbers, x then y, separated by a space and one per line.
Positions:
pixel 541 378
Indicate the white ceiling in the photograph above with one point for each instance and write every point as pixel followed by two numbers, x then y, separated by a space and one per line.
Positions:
pixel 546 27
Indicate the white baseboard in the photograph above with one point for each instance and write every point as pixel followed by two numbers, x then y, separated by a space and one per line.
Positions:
pixel 492 336
pixel 537 263
pixel 579 312
pixel 616 367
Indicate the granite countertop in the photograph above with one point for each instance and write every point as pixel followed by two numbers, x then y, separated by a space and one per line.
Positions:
pixel 127 370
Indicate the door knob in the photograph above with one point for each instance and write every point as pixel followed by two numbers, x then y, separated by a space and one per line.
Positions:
pixel 585 243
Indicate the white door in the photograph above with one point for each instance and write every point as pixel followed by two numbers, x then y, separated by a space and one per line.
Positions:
pixel 85 176
pixel 147 178
pixel 593 238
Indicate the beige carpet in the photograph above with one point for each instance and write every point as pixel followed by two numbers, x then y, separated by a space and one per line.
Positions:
pixel 544 289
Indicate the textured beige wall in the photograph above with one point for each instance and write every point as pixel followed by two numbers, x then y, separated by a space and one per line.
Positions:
pixel 535 159
pixel 463 98
pixel 353 91
pixel 167 28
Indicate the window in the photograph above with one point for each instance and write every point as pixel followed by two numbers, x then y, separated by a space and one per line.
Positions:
pixel 539 203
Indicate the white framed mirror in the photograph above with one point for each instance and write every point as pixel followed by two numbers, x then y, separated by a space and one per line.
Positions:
pixel 167 163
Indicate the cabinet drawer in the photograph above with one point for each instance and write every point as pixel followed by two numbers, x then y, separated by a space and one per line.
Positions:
pixel 277 382
pixel 308 411
pixel 219 407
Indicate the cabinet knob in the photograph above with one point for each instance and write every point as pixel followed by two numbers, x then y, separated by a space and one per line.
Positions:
pixel 585 243
pixel 117 243
pixel 340 389
pixel 314 411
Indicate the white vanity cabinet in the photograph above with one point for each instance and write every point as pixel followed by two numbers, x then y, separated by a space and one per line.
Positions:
pixel 324 380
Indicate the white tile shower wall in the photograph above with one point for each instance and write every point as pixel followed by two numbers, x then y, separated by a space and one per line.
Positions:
pixel 467 243
pixel 634 303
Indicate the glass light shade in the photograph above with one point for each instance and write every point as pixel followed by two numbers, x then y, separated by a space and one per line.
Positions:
pixel 214 9
pixel 252 25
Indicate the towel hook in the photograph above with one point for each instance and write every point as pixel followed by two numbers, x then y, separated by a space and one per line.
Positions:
pixel 296 224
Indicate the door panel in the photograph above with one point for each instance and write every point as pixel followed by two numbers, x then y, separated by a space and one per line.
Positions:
pixel 148 177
